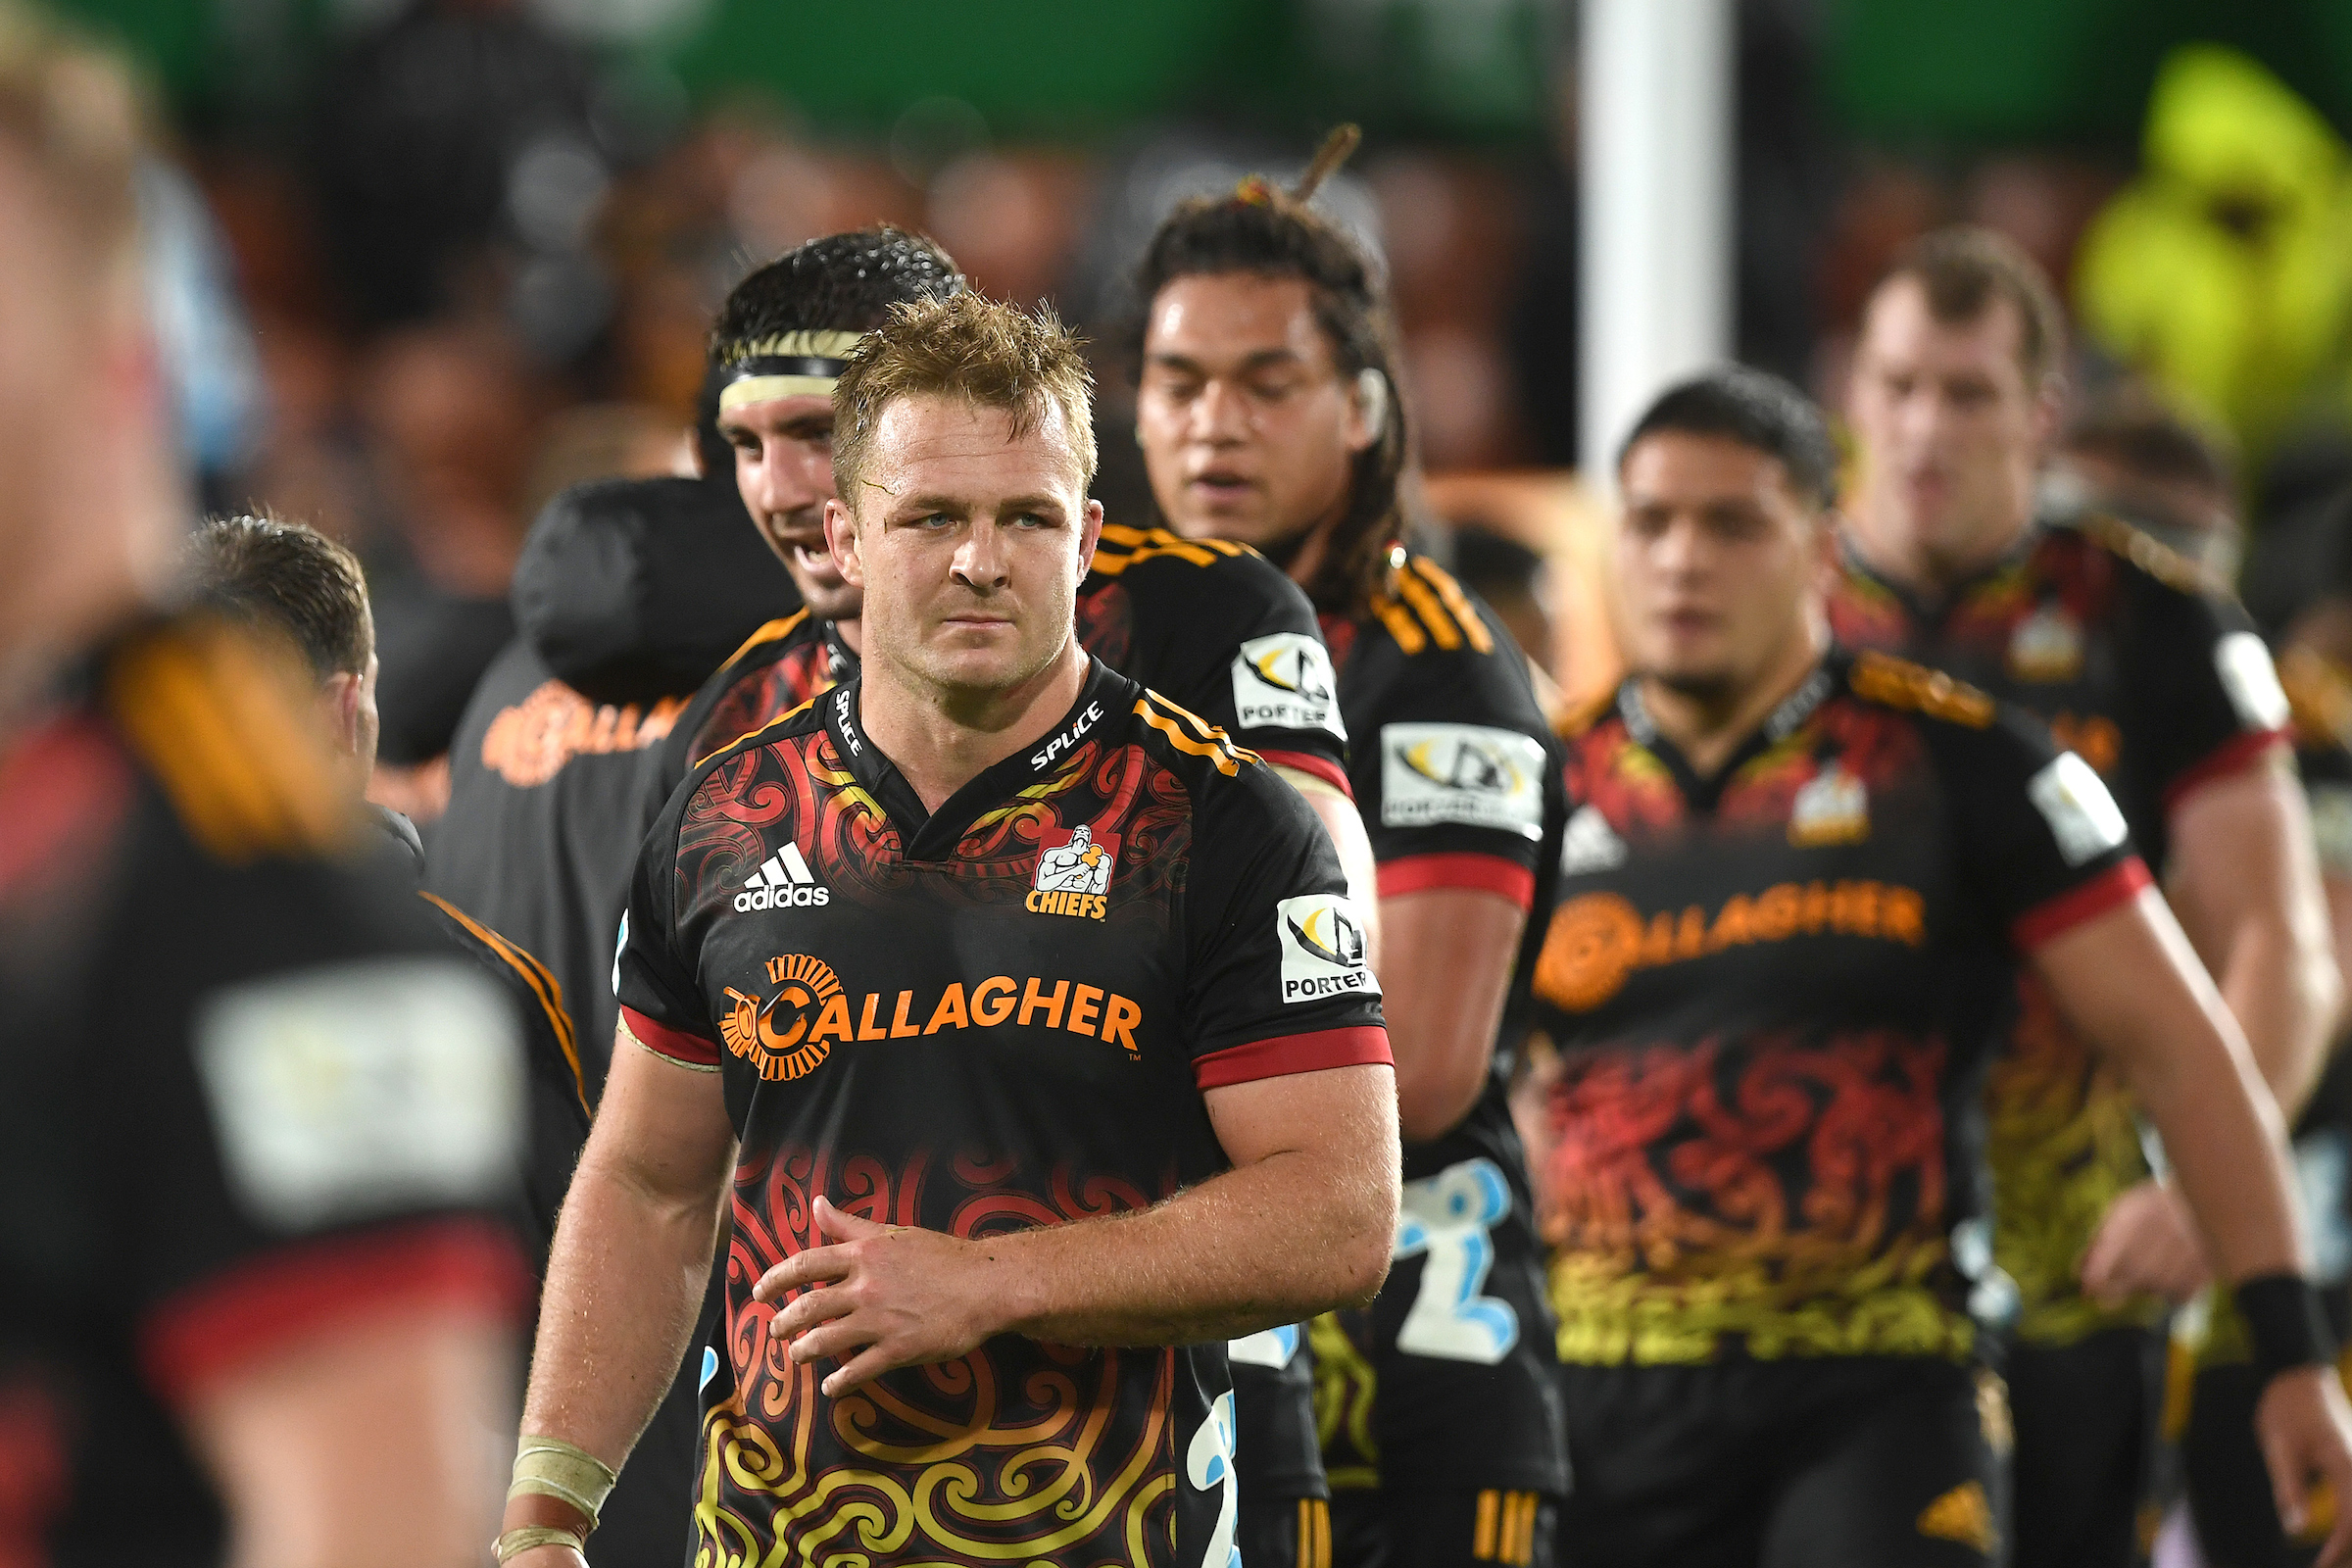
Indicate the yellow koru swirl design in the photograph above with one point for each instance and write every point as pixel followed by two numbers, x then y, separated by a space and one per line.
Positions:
pixel 1346 1390
pixel 2063 1142
pixel 977 1491
pixel 1890 1306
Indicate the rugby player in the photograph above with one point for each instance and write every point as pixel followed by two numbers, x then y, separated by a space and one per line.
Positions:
pixel 1795 889
pixel 287 580
pixel 1267 413
pixel 1212 626
pixel 225 1225
pixel 2150 671
pixel 1005 1128
pixel 2149 465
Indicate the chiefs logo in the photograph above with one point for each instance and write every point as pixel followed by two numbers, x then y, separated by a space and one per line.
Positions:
pixel 1594 942
pixel 774 1034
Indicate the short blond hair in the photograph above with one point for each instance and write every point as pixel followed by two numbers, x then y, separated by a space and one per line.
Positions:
pixel 991 356
pixel 70 110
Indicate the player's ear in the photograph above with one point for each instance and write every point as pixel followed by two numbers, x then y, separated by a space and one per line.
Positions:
pixel 1090 534
pixel 1367 410
pixel 841 541
pixel 339 706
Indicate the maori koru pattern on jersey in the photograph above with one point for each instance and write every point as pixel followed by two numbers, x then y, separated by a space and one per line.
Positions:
pixel 1015 1454
pixel 1790 1191
pixel 757 800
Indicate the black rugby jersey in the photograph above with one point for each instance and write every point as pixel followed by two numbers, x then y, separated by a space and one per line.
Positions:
pixel 628 594
pixel 996 1016
pixel 2150 671
pixel 245 1090
pixel 1213 626
pixel 557 1116
pixel 1773 991
pixel 1448 1379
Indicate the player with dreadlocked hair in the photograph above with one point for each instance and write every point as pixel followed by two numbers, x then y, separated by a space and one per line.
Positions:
pixel 1267 412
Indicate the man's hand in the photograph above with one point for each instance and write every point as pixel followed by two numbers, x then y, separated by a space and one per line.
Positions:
pixel 908 1297
pixel 2305 1430
pixel 2147 1242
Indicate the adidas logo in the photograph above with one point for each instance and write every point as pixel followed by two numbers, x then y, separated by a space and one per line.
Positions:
pixel 783 883
pixel 1590 844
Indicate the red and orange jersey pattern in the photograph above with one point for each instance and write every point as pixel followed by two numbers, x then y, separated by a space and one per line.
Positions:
pixel 1774 989
pixel 2146 670
pixel 999 1014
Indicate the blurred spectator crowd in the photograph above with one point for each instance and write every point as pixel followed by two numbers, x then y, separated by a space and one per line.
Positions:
pixel 476 268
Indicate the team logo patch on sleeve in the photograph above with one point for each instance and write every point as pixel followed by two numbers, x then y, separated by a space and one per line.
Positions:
pixel 363 1088
pixel 2251 680
pixel 2082 816
pixel 1285 681
pixel 1470 775
pixel 1322 948
pixel 1073 874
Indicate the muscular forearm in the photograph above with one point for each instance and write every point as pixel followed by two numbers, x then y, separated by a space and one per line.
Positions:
pixel 624 1282
pixel 2284 993
pixel 2132 984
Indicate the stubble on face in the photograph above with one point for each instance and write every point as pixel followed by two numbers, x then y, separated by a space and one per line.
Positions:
pixel 969 542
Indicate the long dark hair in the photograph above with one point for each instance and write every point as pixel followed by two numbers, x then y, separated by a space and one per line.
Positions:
pixel 1274 234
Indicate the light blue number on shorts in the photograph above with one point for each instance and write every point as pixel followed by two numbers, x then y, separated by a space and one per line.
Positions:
pixel 1448 1218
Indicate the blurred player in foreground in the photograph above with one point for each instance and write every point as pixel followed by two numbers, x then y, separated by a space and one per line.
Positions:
pixel 254 1117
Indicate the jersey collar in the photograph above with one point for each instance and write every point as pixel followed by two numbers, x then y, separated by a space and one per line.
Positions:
pixel 1103 698
pixel 1782 723
pixel 1927 610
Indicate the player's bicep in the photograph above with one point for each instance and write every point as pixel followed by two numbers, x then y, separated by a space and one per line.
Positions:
pixel 2241 853
pixel 1348 1114
pixel 661 1127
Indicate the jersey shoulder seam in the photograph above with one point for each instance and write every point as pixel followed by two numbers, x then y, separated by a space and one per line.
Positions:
pixel 1897 683
pixel 1194 736
pixel 2153 557
pixel 774 632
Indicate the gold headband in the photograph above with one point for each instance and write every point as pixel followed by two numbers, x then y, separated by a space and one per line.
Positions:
pixel 806 359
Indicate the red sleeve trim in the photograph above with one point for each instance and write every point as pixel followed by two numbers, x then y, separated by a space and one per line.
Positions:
pixel 1478 873
pixel 1364 1046
pixel 2237 754
pixel 1322 767
pixel 676 1043
pixel 264 1305
pixel 2118 884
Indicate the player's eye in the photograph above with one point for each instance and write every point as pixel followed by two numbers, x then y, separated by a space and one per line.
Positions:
pixel 1031 519
pixel 1273 389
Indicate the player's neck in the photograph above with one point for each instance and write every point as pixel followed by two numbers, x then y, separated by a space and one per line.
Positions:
pixel 1707 728
pixel 942 739
pixel 1902 556
pixel 852 636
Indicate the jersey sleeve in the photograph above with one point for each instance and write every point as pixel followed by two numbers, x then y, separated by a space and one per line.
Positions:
pixel 1450 769
pixel 330 1123
pixel 2044 845
pixel 2211 700
pixel 1238 644
pixel 1276 978
pixel 653 977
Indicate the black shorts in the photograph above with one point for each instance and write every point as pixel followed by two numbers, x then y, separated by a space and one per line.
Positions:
pixel 1878 1462
pixel 1398 1528
pixel 2087 1417
pixel 1284 1532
